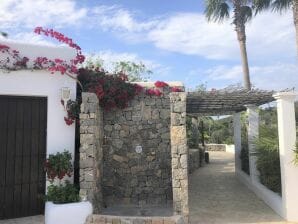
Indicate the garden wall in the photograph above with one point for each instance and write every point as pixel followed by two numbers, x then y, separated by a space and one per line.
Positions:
pixel 138 178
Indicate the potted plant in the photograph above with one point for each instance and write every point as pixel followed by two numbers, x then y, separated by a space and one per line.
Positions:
pixel 63 205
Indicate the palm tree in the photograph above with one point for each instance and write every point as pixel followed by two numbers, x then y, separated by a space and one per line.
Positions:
pixel 284 5
pixel 243 11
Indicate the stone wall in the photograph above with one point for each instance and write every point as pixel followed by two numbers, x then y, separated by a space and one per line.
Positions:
pixel 91 137
pixel 106 219
pixel 129 177
pixel 215 147
pixel 179 152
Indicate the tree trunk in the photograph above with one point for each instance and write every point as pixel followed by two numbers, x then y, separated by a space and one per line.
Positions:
pixel 245 68
pixel 295 15
pixel 241 36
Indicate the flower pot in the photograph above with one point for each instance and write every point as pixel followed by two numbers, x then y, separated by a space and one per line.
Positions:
pixel 70 213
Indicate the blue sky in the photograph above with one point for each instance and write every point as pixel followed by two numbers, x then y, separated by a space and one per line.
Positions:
pixel 171 37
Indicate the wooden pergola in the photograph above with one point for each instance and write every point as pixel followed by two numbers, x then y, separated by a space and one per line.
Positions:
pixel 225 101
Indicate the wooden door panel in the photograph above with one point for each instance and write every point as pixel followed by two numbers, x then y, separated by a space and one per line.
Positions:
pixel 23 123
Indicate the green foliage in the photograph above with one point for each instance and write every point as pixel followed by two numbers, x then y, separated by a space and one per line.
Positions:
pixel 244 154
pixel 218 10
pixel 136 72
pixel 281 5
pixel 58 165
pixel 192 134
pixel 268 162
pixel 60 194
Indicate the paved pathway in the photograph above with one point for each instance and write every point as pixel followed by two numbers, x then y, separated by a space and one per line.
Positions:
pixel 216 196
pixel 27 220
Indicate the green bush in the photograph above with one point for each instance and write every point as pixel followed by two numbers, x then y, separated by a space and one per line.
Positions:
pixel 60 194
pixel 244 154
pixel 58 165
pixel 268 162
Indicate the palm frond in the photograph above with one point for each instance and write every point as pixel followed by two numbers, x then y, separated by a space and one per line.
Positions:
pixel 217 10
pixel 246 13
pixel 261 5
pixel 281 5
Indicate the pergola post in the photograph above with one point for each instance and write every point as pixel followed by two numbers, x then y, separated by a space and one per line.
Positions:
pixel 237 140
pixel 253 134
pixel 287 140
pixel 179 154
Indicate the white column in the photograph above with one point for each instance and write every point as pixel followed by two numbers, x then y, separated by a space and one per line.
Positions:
pixel 287 140
pixel 237 140
pixel 253 134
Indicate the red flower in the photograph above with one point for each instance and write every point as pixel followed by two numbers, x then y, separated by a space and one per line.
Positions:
pixel 160 84
pixel 3 48
pixel 176 89
pixel 68 121
pixel 157 92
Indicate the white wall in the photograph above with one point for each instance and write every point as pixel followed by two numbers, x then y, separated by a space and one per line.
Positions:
pixel 271 198
pixel 43 83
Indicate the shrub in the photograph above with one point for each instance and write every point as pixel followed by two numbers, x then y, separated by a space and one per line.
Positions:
pixel 244 154
pixel 268 162
pixel 60 194
pixel 192 134
pixel 112 90
pixel 58 165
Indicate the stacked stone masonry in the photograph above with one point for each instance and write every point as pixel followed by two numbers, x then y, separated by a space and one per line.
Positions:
pixel 105 219
pixel 91 137
pixel 179 152
pixel 129 177
pixel 215 147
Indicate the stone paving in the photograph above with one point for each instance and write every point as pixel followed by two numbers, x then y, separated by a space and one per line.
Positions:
pixel 27 220
pixel 217 197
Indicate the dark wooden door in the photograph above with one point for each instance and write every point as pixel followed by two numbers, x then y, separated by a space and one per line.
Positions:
pixel 23 123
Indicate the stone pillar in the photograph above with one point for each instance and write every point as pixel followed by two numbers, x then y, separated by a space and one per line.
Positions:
pixel 287 140
pixel 237 140
pixel 179 153
pixel 91 138
pixel 253 134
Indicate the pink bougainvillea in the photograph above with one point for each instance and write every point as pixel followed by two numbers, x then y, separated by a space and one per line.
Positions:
pixel 176 89
pixel 113 91
pixel 161 84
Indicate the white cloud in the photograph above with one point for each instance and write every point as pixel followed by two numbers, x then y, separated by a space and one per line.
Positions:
pixel 115 18
pixel 273 77
pixel 31 38
pixel 268 35
pixel 190 33
pixel 31 13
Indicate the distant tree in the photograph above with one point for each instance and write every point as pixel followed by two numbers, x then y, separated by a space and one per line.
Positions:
pixel 136 72
pixel 218 10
